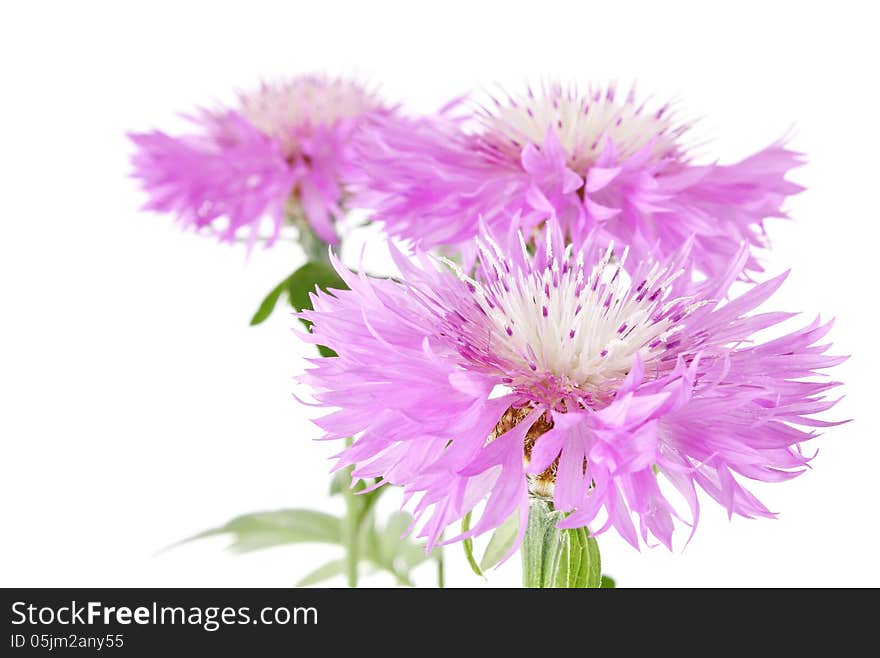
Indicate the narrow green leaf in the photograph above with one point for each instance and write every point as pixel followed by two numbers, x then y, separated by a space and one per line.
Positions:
pixel 593 561
pixel 268 304
pixel 569 562
pixel 251 532
pixel 322 573
pixel 391 541
pixel 305 281
pixel 501 542
pixel 326 352
pixel 386 551
pixel 608 582
pixel 312 275
pixel 468 545
pixel 580 563
pixel 407 554
pixel 411 554
pixel 298 287
pixel 340 481
pixel 578 542
pixel 367 500
pixel 371 545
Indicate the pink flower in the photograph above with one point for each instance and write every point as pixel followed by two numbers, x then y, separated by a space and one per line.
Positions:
pixel 560 376
pixel 598 163
pixel 284 149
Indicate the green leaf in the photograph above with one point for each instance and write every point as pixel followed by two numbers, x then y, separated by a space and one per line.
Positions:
pixel 501 542
pixel 387 551
pixel 468 545
pixel 591 560
pixel 579 563
pixel 367 501
pixel 251 532
pixel 411 554
pixel 558 558
pixel 322 573
pixel 569 565
pixel 542 548
pixel 312 275
pixel 298 287
pixel 371 545
pixel 391 541
pixel 268 304
pixel 608 583
pixel 326 352
pixel 340 481
pixel 398 552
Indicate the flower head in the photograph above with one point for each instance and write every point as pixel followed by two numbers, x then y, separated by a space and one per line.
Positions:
pixel 561 375
pixel 599 162
pixel 283 149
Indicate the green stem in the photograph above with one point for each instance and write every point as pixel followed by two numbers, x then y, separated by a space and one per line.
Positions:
pixel 314 247
pixel 558 558
pixel 350 531
pixel 468 545
pixel 367 503
pixel 441 569
pixel 355 510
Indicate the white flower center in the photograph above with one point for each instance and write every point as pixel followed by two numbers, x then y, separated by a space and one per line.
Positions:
pixel 567 331
pixel 292 109
pixel 582 123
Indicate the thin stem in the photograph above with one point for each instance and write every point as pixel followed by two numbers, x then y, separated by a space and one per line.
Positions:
pixel 350 532
pixel 468 545
pixel 314 247
pixel 355 508
pixel 369 502
pixel 441 575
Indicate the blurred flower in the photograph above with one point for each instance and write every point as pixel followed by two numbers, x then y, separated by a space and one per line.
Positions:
pixel 594 161
pixel 282 150
pixel 560 376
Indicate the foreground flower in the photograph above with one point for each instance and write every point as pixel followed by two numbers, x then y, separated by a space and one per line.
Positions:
pixel 282 152
pixel 558 376
pixel 593 160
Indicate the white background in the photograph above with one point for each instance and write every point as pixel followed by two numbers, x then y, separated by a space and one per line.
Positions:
pixel 138 406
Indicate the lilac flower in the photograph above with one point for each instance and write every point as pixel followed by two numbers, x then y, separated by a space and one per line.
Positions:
pixel 284 149
pixel 560 376
pixel 594 161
